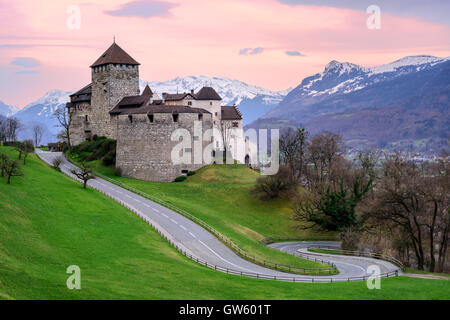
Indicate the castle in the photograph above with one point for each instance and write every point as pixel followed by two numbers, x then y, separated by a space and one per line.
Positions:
pixel 145 124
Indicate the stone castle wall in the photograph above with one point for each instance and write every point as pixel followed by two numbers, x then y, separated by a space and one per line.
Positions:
pixel 80 129
pixel 144 148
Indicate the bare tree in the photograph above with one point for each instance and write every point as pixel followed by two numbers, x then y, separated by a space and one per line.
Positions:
pixel 27 148
pixel 414 197
pixel 38 132
pixel 19 148
pixel 56 162
pixel 85 174
pixel 64 118
pixel 293 150
pixel 3 159
pixel 13 126
pixel 12 169
pixel 325 153
pixel 2 129
pixel 225 128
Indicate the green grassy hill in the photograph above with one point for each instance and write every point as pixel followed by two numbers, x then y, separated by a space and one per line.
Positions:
pixel 220 196
pixel 48 222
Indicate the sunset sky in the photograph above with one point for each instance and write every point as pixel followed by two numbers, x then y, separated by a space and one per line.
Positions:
pixel 269 43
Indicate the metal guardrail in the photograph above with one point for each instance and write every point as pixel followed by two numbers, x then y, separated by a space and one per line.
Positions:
pixel 272 239
pixel 374 255
pixel 228 241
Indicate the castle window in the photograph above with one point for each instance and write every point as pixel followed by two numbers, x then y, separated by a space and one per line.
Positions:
pixel 175 117
pixel 187 150
pixel 210 103
pixel 200 117
pixel 130 117
pixel 184 171
pixel 215 114
pixel 235 124
pixel 150 117
pixel 86 118
pixel 196 138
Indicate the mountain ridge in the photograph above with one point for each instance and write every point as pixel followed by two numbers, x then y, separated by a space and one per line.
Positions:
pixel 348 99
pixel 7 110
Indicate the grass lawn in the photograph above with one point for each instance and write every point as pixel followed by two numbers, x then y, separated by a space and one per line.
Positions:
pixel 48 222
pixel 220 196
pixel 326 251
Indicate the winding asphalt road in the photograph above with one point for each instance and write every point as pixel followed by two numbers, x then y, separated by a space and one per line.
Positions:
pixel 198 242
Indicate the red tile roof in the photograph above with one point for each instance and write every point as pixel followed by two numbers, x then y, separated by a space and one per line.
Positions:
pixel 114 54
pixel 207 93
pixel 231 113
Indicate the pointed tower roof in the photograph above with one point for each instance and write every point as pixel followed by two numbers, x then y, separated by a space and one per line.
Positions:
pixel 114 54
pixel 147 91
pixel 208 93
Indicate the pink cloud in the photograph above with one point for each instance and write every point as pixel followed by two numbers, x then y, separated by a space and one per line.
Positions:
pixel 203 37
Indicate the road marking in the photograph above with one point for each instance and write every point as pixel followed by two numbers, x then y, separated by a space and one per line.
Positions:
pixel 182 227
pixel 146 205
pixel 173 221
pixel 193 235
pixel 223 258
pixel 156 210
pixel 165 216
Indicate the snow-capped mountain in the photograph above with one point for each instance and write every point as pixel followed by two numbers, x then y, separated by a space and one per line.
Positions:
pixel 41 112
pixel 6 110
pixel 344 78
pixel 231 91
pixel 403 103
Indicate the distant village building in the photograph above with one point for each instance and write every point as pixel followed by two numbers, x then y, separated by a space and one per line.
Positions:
pixel 143 123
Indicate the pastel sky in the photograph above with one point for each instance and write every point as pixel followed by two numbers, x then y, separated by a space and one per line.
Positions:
pixel 270 43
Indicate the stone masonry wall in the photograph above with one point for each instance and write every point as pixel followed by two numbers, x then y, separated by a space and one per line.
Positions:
pixel 144 148
pixel 79 127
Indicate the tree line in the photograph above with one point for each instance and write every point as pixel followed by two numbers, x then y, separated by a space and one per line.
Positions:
pixel 10 128
pixel 387 203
